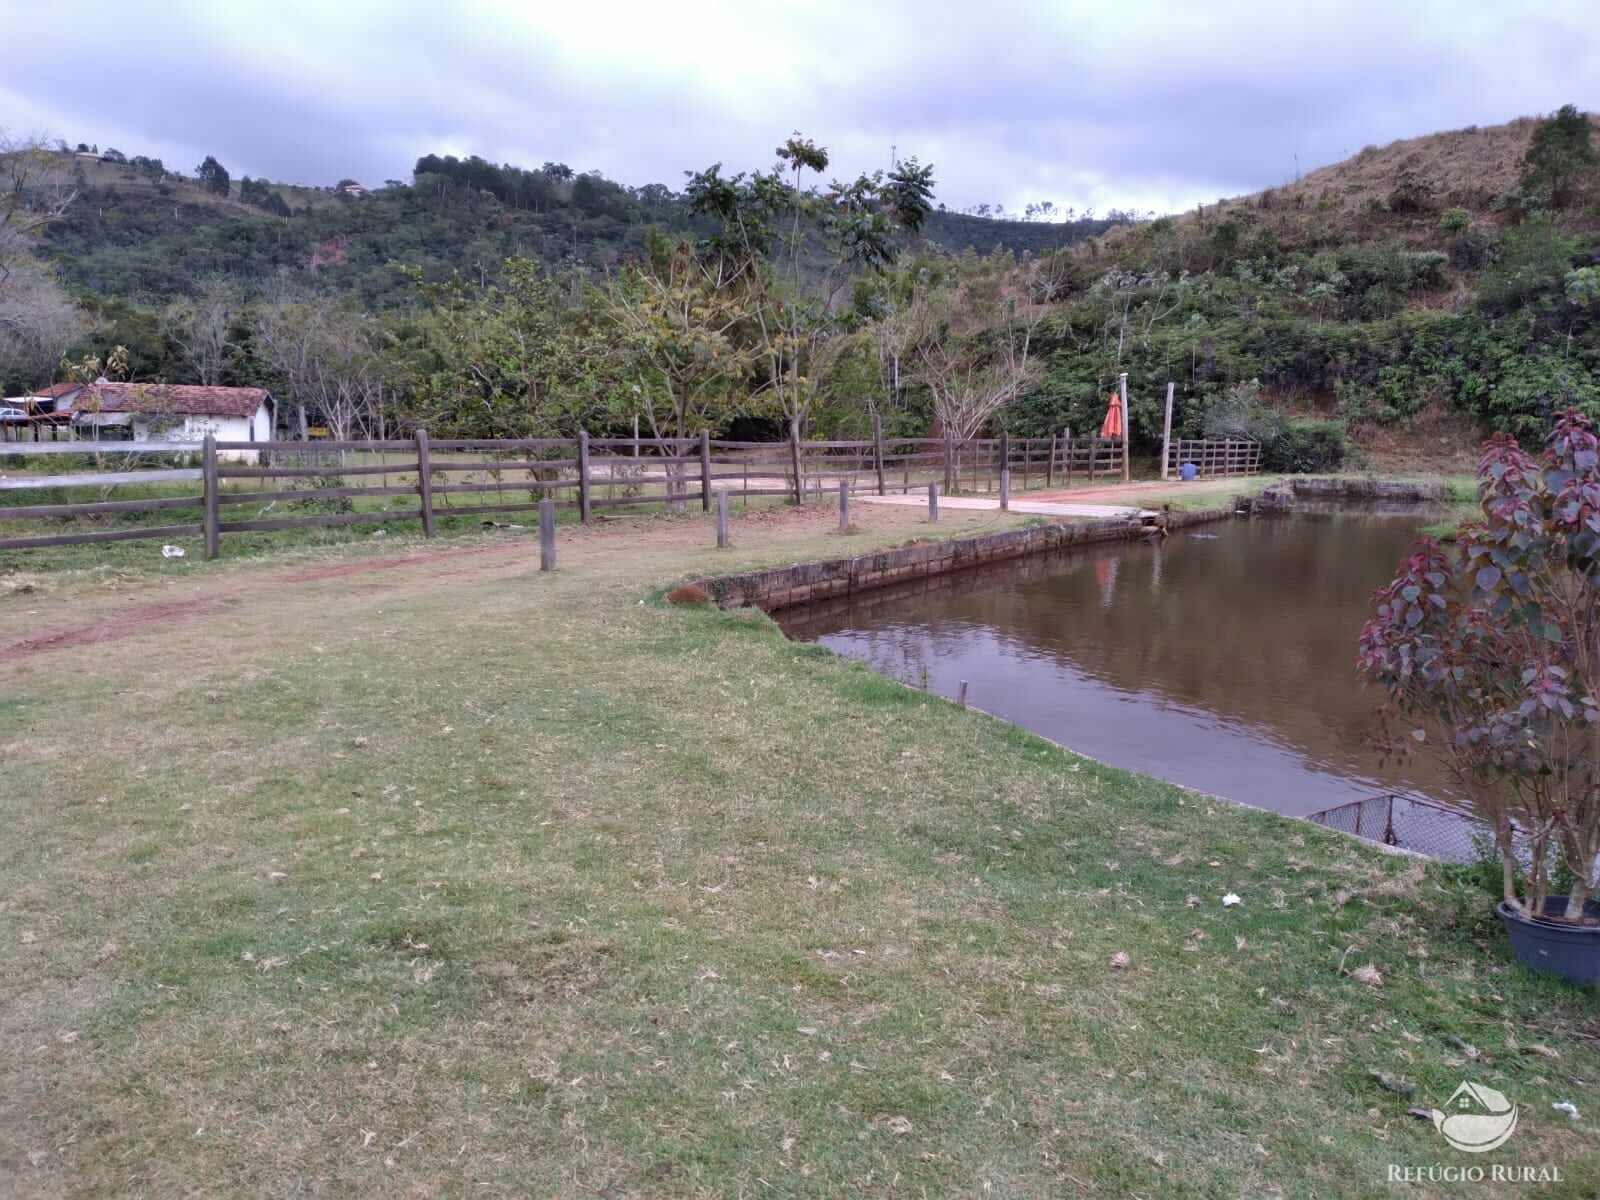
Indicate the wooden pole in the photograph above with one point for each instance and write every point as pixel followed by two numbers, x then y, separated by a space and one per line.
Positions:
pixel 1067 437
pixel 583 477
pixel 1127 431
pixel 1166 434
pixel 877 449
pixel 794 457
pixel 213 527
pixel 961 694
pixel 425 482
pixel 1050 464
pixel 844 505
pixel 1005 489
pixel 1094 453
pixel 933 502
pixel 547 535
pixel 722 520
pixel 705 470
pixel 949 459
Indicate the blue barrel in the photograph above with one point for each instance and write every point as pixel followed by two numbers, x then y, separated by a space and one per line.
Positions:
pixel 1187 472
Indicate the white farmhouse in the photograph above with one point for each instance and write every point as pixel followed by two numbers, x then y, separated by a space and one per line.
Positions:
pixel 173 412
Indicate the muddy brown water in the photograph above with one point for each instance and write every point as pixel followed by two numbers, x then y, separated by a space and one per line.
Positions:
pixel 1222 658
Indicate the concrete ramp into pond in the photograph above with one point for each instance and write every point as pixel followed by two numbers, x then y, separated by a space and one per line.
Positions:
pixel 1041 508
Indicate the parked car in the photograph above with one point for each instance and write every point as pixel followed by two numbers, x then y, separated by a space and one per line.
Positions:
pixel 8 413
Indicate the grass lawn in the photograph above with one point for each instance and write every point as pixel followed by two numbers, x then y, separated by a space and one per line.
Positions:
pixel 425 873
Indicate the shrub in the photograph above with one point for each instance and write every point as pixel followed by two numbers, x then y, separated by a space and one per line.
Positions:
pixel 1305 445
pixel 1412 193
pixel 1495 643
pixel 1453 221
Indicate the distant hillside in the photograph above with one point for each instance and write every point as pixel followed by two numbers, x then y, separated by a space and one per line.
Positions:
pixel 1416 283
pixel 132 237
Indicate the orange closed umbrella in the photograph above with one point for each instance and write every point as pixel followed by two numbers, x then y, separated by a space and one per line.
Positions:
pixel 1111 427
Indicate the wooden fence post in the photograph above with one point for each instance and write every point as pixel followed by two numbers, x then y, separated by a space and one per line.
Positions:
pixel 949 459
pixel 877 449
pixel 794 457
pixel 705 470
pixel 1166 434
pixel 1094 453
pixel 583 476
pixel 1050 464
pixel 722 520
pixel 1127 430
pixel 1067 437
pixel 547 535
pixel 425 482
pixel 844 505
pixel 1005 489
pixel 208 473
pixel 933 502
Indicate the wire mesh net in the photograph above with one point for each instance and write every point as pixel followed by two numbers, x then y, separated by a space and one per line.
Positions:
pixel 1411 823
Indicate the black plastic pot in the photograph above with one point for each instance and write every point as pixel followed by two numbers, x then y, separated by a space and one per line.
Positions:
pixel 1570 951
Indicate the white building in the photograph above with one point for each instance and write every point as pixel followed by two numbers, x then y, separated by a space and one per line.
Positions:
pixel 171 412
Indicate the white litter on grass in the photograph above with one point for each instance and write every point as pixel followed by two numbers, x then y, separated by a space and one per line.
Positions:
pixel 1231 899
pixel 1568 1107
pixel 172 552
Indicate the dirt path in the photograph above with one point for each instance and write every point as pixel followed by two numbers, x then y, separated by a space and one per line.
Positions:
pixel 119 617
pixel 1130 493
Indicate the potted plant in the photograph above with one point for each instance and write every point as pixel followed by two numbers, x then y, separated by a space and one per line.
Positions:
pixel 1493 653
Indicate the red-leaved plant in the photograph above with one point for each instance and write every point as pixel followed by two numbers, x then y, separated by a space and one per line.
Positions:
pixel 1498 645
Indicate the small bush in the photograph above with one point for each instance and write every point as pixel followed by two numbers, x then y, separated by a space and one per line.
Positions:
pixel 1453 221
pixel 1305 445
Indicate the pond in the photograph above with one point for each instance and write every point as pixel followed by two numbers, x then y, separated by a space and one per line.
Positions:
pixel 1222 658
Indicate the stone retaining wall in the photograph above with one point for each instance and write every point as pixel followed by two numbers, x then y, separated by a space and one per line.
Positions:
pixel 783 587
pixel 1281 496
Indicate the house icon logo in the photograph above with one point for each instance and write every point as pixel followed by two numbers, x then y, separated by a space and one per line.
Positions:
pixel 1476 1119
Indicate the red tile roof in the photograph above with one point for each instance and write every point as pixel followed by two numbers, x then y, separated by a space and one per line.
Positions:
pixel 57 390
pixel 185 398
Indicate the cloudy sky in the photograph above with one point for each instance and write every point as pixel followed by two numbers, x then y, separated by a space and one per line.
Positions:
pixel 1097 105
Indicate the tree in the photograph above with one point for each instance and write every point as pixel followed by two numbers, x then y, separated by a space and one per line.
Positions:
pixel 790 248
pixel 516 358
pixel 677 330
pixel 1498 647
pixel 202 326
pixel 1560 157
pixel 213 176
pixel 973 344
pixel 333 363
pixel 37 321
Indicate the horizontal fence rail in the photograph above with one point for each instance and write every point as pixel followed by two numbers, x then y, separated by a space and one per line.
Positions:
pixel 279 485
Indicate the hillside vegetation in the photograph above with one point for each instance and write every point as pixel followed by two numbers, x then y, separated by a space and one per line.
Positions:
pixel 1434 274
pixel 1449 278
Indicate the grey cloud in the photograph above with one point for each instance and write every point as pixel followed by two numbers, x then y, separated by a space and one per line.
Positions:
pixel 1146 105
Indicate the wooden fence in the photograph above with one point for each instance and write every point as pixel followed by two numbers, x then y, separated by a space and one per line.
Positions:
pixel 262 486
pixel 1215 458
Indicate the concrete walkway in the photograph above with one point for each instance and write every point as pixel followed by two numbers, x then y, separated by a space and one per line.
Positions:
pixel 1043 508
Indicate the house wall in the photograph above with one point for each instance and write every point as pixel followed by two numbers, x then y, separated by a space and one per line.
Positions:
pixel 196 428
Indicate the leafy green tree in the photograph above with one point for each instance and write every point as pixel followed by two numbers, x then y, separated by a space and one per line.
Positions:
pixel 1561 158
pixel 213 176
pixel 515 358
pixel 790 248
pixel 677 338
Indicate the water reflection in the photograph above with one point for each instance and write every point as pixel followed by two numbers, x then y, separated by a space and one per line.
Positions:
pixel 1222 658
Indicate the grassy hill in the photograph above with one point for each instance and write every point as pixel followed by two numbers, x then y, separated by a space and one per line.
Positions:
pixel 1413 285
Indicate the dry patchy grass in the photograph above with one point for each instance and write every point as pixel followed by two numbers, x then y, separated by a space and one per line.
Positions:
pixel 455 878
